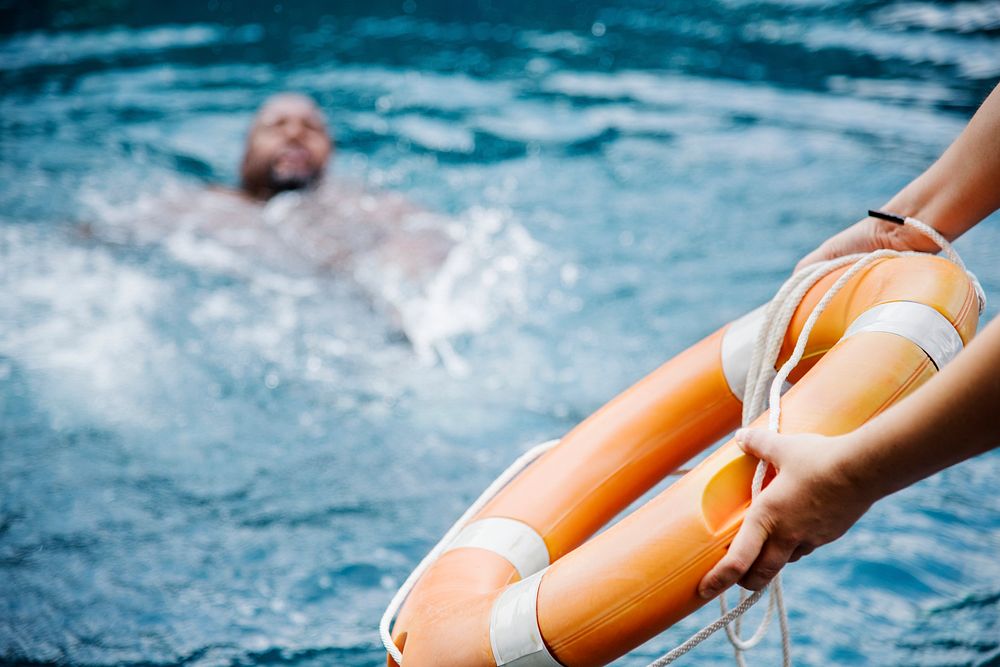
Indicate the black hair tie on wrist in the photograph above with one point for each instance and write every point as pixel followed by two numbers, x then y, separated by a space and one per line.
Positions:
pixel 891 217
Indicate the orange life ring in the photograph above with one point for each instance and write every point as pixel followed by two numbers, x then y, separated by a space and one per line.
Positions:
pixel 525 583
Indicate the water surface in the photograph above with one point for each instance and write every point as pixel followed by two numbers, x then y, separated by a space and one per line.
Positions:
pixel 212 459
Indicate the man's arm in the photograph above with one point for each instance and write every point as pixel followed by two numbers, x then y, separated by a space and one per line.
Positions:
pixel 954 194
pixel 824 484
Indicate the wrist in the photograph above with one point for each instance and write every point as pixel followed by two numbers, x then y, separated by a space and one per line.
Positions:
pixel 909 204
pixel 932 203
pixel 860 464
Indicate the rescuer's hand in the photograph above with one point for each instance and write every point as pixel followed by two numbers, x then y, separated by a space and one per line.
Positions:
pixel 868 235
pixel 812 500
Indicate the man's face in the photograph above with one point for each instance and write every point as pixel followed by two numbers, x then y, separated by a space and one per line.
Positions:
pixel 287 148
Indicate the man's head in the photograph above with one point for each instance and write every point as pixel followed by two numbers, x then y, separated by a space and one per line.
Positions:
pixel 287 147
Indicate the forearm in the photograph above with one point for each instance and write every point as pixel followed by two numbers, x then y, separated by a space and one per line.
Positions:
pixel 960 189
pixel 955 416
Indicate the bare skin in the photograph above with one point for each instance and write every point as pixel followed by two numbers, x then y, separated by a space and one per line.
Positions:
pixel 823 484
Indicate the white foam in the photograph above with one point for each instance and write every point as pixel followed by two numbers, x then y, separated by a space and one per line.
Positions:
pixel 44 48
pixel 93 353
pixel 434 134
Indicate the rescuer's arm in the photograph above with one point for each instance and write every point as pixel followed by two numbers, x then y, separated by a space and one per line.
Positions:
pixel 824 484
pixel 953 195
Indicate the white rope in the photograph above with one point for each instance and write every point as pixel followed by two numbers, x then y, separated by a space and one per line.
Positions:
pixel 503 480
pixel 779 313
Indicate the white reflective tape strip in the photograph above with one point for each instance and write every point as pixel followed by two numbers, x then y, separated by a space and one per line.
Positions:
pixel 514 540
pixel 918 323
pixel 737 347
pixel 514 633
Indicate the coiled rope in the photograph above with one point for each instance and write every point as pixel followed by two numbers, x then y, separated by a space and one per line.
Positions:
pixel 763 390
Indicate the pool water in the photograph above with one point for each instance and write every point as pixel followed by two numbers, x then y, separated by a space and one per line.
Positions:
pixel 214 456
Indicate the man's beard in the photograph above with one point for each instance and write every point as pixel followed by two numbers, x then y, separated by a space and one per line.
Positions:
pixel 278 183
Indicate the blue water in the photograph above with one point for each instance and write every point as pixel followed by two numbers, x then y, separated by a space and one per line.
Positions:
pixel 215 455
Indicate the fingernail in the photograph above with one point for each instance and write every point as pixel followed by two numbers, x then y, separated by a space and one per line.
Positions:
pixel 741 434
pixel 708 592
